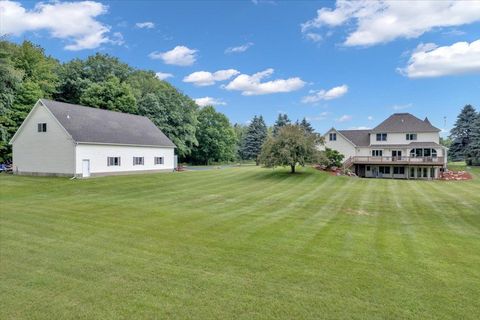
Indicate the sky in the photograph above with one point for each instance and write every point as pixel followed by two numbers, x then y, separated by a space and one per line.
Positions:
pixel 340 64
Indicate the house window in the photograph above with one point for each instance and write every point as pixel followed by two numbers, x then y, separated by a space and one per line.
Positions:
pixel 42 127
pixel 398 170
pixel 412 172
pixel 425 172
pixel 381 137
pixel 432 173
pixel 434 153
pixel 138 161
pixel 113 161
pixel 377 153
pixel 368 168
pixel 427 152
pixel 333 137
pixel 384 170
pixel 411 136
pixel 158 160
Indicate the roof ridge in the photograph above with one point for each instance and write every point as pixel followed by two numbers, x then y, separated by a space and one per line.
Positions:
pixel 99 109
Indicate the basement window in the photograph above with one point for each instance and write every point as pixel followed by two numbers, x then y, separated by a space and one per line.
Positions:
pixel 138 161
pixel 158 160
pixel 42 127
pixel 113 161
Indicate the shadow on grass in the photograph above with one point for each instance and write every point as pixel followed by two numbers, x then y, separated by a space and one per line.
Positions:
pixel 284 173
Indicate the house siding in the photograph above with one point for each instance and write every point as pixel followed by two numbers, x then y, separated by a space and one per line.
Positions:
pixel 50 152
pixel 98 154
pixel 342 145
pixel 400 138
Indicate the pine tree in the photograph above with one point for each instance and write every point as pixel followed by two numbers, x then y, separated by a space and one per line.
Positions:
pixel 473 151
pixel 254 139
pixel 306 125
pixel 461 132
pixel 282 121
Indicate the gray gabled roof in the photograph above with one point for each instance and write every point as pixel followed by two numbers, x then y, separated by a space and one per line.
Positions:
pixel 360 138
pixel 404 122
pixel 93 125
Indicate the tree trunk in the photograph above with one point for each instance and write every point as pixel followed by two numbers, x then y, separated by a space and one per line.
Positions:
pixel 292 168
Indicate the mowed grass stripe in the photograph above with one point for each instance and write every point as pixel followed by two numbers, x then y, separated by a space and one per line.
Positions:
pixel 238 243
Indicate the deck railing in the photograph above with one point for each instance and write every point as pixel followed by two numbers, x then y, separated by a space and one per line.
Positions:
pixel 395 160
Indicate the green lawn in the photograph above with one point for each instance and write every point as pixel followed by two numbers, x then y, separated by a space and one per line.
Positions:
pixel 239 243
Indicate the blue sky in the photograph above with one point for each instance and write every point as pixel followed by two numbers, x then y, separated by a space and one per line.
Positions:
pixel 341 64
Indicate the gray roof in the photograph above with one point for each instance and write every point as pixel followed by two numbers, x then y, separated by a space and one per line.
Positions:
pixel 360 138
pixel 93 125
pixel 404 122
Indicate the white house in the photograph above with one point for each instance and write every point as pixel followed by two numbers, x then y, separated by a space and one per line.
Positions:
pixel 65 139
pixel 402 146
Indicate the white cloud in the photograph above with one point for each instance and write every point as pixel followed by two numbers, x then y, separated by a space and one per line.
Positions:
pixel 251 85
pixel 433 61
pixel 179 56
pixel 320 117
pixel 205 78
pixel 384 21
pixel 399 107
pixel 163 75
pixel 242 48
pixel 323 94
pixel 314 37
pixel 370 118
pixel 145 25
pixel 71 21
pixel 209 101
pixel 344 118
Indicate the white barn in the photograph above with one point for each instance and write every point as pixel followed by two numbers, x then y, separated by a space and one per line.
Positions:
pixel 65 139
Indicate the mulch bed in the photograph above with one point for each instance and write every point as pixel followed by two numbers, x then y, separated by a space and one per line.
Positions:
pixel 455 176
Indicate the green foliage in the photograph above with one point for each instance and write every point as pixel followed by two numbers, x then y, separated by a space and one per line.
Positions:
pixel 290 147
pixel 26 74
pixel 173 112
pixel 461 132
pixel 446 142
pixel 333 158
pixel 306 125
pixel 253 140
pixel 216 138
pixel 281 121
pixel 473 150
pixel 240 132
pixel 110 95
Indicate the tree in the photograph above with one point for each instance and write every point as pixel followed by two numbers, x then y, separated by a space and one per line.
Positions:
pixel 461 132
pixel 306 125
pixel 110 95
pixel 216 138
pixel 281 121
pixel 473 151
pixel 291 146
pixel 254 139
pixel 173 112
pixel 333 157
pixel 446 142
pixel 240 132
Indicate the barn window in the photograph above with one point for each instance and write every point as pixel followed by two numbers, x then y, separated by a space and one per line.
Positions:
pixel 158 160
pixel 113 161
pixel 42 127
pixel 138 161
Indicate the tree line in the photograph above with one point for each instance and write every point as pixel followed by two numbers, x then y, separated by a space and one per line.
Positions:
pixel 202 135
pixel 464 139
